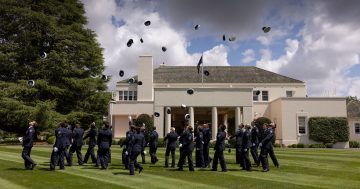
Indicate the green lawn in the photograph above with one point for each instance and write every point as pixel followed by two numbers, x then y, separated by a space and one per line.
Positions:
pixel 300 168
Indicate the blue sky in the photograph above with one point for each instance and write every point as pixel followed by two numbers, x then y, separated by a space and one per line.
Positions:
pixel 313 41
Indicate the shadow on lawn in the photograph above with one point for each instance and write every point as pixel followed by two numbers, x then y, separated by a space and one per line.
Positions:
pixel 121 173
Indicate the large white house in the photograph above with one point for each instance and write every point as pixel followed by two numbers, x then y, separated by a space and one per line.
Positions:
pixel 228 92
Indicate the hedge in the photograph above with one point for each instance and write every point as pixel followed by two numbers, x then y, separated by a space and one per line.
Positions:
pixel 51 139
pixel 354 144
pixel 329 129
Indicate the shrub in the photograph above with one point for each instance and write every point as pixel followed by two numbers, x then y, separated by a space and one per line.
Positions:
pixel 317 146
pixel 161 142
pixel 51 140
pixel 328 129
pixel 149 124
pixel 10 141
pixel 329 145
pixel 277 145
pixel 300 145
pixel 354 144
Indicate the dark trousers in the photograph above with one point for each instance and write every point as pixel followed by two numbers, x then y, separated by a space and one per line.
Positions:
pixel 104 157
pixel 76 149
pixel 133 162
pixel 199 157
pixel 152 152
pixel 142 155
pixel 245 159
pixel 66 155
pixel 263 158
pixel 254 153
pixel 219 155
pixel 26 156
pixel 239 157
pixel 57 156
pixel 273 156
pixel 125 158
pixel 186 152
pixel 207 158
pixel 167 153
pixel 90 153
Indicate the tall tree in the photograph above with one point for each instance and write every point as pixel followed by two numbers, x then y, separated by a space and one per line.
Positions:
pixel 47 41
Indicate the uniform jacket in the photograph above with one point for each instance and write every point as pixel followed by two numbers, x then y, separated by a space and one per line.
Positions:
pixel 220 141
pixel 78 137
pixel 246 139
pixel 255 135
pixel 29 137
pixel 238 137
pixel 104 138
pixel 92 137
pixel 171 139
pixel 61 137
pixel 268 135
pixel 136 142
pixel 199 141
pixel 207 135
pixel 154 137
pixel 186 140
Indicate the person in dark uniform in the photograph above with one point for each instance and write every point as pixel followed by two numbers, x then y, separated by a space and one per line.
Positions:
pixel 153 142
pixel 186 148
pixel 126 147
pixel 238 143
pixel 246 145
pixel 272 155
pixel 170 147
pixel 199 143
pixel 104 141
pixel 136 143
pixel 92 142
pixel 143 152
pixel 68 142
pixel 219 149
pixel 59 147
pixel 77 144
pixel 264 145
pixel 207 137
pixel 28 141
pixel 255 143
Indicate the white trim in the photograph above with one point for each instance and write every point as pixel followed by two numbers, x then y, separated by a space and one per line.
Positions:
pixel 302 114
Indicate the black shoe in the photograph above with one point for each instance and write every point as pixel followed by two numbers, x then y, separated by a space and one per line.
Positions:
pixel 265 170
pixel 213 169
pixel 277 166
pixel 140 169
pixel 33 166
pixel 62 168
pixel 191 170
pixel 180 169
pixel 224 170
pixel 166 166
pixel 52 169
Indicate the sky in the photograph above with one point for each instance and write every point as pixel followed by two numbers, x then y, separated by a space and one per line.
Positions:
pixel 317 41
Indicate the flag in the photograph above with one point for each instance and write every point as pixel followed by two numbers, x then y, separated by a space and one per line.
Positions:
pixel 200 62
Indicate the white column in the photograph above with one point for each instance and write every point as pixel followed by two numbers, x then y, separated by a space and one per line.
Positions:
pixel 167 121
pixel 225 119
pixel 237 117
pixel 214 122
pixel 191 113
pixel 247 115
pixel 159 121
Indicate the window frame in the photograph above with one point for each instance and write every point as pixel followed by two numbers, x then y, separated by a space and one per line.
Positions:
pixel 305 124
pixel 292 94
pixel 267 96
pixel 357 125
pixel 257 96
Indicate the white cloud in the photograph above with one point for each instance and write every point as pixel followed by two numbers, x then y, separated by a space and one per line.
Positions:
pixel 249 56
pixel 120 57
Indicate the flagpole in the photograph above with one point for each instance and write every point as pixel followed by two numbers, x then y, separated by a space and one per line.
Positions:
pixel 202 70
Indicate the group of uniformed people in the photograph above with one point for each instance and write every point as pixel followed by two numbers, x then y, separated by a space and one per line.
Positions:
pixel 248 139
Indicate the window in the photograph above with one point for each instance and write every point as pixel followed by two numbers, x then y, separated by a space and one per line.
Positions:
pixel 255 96
pixel 265 95
pixel 126 95
pixel 130 95
pixel 289 93
pixel 135 95
pixel 357 128
pixel 302 124
pixel 121 93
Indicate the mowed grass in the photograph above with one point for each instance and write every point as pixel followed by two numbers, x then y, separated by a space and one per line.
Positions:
pixel 300 168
